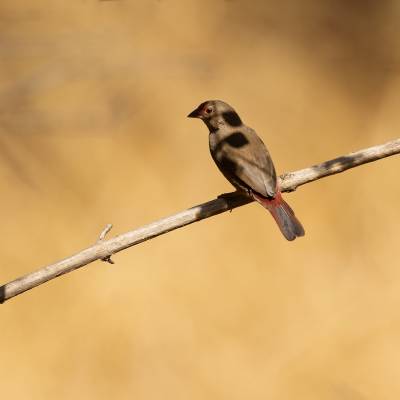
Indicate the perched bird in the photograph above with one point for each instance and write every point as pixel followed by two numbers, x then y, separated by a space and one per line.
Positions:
pixel 244 160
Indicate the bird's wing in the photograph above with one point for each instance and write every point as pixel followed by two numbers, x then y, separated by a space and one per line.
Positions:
pixel 244 159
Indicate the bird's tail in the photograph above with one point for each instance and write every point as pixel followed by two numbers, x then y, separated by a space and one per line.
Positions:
pixel 283 214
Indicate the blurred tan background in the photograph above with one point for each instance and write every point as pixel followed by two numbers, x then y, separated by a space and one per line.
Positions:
pixel 93 99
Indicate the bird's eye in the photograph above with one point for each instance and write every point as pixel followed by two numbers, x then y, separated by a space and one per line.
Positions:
pixel 209 110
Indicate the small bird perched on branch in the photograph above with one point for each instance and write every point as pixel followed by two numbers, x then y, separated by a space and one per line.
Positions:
pixel 244 160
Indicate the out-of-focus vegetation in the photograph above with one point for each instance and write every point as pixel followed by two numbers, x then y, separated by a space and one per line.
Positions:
pixel 93 99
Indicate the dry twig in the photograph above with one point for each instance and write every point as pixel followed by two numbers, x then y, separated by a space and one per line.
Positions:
pixel 104 249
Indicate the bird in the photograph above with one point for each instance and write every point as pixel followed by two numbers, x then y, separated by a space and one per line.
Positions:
pixel 244 160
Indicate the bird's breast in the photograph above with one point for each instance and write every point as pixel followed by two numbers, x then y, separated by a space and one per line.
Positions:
pixel 213 140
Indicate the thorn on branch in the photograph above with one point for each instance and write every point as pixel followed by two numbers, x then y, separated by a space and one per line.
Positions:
pixel 101 239
pixel 104 232
pixel 108 259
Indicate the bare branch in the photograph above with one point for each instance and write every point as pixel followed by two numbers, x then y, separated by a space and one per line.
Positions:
pixel 104 249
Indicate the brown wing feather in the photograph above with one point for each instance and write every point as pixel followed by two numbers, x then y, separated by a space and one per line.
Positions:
pixel 244 160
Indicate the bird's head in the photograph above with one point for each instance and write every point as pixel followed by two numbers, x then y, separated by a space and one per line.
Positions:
pixel 216 113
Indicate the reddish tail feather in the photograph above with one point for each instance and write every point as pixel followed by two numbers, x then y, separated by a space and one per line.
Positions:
pixel 283 214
